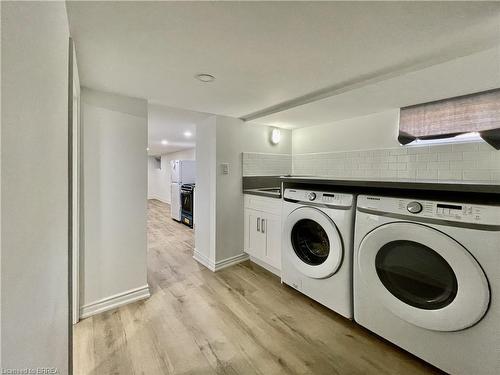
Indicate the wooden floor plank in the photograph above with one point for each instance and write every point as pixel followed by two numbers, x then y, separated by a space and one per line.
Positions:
pixel 240 320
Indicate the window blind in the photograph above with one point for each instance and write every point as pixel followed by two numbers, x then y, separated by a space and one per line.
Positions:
pixel 479 112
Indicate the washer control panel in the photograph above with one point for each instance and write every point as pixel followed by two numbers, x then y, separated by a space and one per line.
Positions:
pixel 460 212
pixel 414 207
pixel 319 197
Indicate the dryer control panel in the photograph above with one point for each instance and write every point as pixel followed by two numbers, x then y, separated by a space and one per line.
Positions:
pixel 449 211
pixel 319 197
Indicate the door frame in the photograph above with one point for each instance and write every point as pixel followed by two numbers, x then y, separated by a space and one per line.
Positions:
pixel 75 173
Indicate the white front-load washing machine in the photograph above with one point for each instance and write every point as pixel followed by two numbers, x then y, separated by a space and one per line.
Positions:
pixel 317 246
pixel 427 278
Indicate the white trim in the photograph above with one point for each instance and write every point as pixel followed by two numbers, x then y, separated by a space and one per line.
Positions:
pixel 266 266
pixel 201 258
pixel 221 264
pixel 115 301
pixel 231 261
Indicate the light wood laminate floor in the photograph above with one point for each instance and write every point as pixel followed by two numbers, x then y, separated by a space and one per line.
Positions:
pixel 240 320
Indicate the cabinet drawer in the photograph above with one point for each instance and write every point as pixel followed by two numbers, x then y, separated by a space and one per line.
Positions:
pixel 271 205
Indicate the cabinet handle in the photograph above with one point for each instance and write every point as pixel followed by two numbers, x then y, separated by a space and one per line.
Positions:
pixel 263 226
pixel 258 224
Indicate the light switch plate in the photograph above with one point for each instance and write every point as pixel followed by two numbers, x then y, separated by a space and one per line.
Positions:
pixel 224 167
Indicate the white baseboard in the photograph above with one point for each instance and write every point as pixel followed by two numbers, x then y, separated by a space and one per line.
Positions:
pixel 201 258
pixel 221 264
pixel 231 261
pixel 266 266
pixel 115 301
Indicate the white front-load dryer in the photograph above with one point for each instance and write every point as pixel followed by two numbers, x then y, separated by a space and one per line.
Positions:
pixel 317 246
pixel 427 278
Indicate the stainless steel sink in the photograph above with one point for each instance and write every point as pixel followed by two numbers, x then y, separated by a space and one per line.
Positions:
pixel 270 190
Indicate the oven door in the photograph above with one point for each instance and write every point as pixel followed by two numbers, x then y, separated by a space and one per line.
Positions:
pixel 423 276
pixel 187 202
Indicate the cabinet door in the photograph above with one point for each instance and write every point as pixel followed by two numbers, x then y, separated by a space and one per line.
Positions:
pixel 272 229
pixel 256 239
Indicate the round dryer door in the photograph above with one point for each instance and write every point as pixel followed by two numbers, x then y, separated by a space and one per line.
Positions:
pixel 313 243
pixel 423 276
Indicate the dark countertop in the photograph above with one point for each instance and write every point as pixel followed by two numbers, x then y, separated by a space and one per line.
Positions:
pixel 262 193
pixel 254 184
pixel 449 186
pixel 451 191
pixel 444 190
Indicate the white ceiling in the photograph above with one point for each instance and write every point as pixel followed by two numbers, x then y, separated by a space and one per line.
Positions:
pixel 473 73
pixel 170 124
pixel 264 53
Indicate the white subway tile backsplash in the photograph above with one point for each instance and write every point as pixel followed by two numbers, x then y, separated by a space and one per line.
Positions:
pixel 423 174
pixel 418 150
pixel 457 162
pixel 260 164
pixel 418 165
pixel 477 155
pixel 427 157
pixel 398 151
pixel 449 175
pixel 495 176
pixel 407 158
pixel 438 165
pixel 462 164
pixel 447 156
pixel 407 175
pixel 461 147
pixel 476 175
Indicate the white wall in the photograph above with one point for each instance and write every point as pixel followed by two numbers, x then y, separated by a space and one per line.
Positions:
pixel 34 185
pixel 219 197
pixel 114 195
pixel 205 204
pixel 159 179
pixel 379 130
pixel 233 137
pixel 367 147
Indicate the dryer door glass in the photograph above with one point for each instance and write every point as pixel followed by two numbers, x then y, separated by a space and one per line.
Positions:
pixel 416 274
pixel 310 242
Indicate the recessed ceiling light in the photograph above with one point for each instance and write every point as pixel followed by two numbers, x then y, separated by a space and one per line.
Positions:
pixel 188 134
pixel 164 142
pixel 147 148
pixel 204 77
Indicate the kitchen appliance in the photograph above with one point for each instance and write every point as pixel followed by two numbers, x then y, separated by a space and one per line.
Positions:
pixel 317 246
pixel 187 204
pixel 427 278
pixel 181 172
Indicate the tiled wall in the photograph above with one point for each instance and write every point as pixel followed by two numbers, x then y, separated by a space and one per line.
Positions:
pixel 462 162
pixel 258 164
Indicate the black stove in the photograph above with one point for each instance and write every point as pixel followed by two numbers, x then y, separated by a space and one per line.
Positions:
pixel 187 204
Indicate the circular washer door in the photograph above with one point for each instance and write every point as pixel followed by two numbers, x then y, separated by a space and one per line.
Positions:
pixel 423 276
pixel 313 243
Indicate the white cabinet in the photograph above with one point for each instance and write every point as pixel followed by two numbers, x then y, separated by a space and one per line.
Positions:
pixel 263 231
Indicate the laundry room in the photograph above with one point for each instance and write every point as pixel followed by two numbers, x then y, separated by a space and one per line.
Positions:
pixel 250 187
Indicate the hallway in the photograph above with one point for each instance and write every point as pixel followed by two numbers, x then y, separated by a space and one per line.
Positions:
pixel 240 320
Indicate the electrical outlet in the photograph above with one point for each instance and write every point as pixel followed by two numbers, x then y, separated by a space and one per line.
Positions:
pixel 224 168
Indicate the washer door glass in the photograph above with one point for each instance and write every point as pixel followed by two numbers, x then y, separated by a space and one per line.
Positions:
pixel 310 242
pixel 416 274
